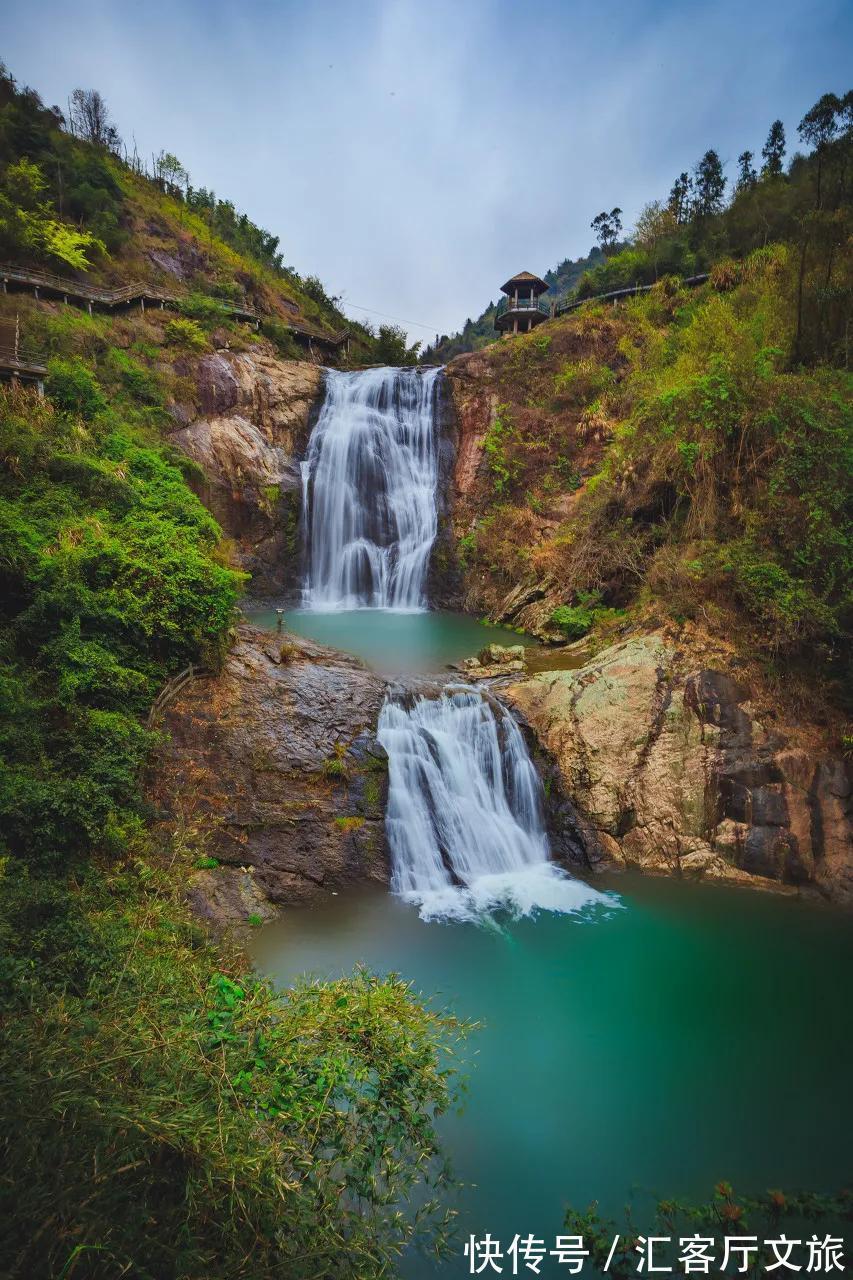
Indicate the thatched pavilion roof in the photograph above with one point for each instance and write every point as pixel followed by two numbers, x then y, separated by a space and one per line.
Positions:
pixel 525 280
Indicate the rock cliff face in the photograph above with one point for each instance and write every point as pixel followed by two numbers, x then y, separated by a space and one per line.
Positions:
pixel 672 770
pixel 479 387
pixel 278 762
pixel 246 427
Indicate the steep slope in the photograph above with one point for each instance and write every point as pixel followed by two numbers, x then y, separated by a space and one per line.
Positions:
pixel 661 471
pixel 80 210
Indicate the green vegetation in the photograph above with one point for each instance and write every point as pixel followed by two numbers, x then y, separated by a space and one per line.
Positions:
pixel 182 332
pixel 353 823
pixel 391 346
pixel 705 435
pixel 728 469
pixel 335 765
pixel 163 1113
pixel 575 621
pixel 502 465
pixel 167 1116
pixel 109 584
pixel 771 1216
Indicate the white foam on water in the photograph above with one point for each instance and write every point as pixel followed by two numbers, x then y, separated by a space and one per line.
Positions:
pixel 465 816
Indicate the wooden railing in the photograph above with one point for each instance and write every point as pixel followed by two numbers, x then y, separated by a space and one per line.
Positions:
pixel 11 358
pixel 173 687
pixel 138 290
pixel 523 304
pixel 631 291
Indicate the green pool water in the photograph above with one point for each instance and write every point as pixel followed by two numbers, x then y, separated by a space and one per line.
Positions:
pixel 390 639
pixel 694 1034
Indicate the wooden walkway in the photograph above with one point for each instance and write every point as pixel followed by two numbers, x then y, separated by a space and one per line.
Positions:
pixel 43 284
pixel 22 368
pixel 617 294
pixel 14 365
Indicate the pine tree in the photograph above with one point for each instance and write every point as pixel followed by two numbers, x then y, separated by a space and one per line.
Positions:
pixel 773 150
pixel 746 175
pixel 680 198
pixel 710 185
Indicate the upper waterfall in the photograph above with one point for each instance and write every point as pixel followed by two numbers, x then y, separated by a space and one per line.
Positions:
pixel 369 481
pixel 465 810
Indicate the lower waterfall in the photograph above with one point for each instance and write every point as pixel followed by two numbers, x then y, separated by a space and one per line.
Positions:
pixel 368 508
pixel 465 810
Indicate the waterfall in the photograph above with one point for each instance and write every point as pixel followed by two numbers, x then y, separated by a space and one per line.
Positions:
pixel 369 513
pixel 465 810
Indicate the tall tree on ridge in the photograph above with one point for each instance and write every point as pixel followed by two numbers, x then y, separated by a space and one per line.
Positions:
pixel 608 228
pixel 710 185
pixel 773 151
pixel 746 175
pixel 90 119
pixel 680 198
pixel 818 127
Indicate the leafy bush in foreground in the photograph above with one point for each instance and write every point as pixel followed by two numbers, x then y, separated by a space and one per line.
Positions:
pixel 164 1115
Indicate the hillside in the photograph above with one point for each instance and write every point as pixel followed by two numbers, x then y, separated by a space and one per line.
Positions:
pixel 81 207
pixel 686 454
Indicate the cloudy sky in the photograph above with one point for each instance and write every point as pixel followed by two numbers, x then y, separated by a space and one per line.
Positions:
pixel 414 155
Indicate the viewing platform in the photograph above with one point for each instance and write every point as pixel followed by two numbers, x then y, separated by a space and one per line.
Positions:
pixel 507 305
pixel 522 308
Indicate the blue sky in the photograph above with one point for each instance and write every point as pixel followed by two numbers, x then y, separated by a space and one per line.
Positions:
pixel 414 155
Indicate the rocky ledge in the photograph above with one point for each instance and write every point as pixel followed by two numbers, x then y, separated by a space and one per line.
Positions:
pixel 673 770
pixel 246 426
pixel 275 760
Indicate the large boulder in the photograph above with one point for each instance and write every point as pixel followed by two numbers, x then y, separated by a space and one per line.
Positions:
pixel 246 426
pixel 276 761
pixel 673 771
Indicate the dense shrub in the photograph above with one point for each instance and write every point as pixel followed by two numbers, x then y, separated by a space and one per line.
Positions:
pixel 73 388
pixel 172 1117
pixel 183 332
pixel 109 584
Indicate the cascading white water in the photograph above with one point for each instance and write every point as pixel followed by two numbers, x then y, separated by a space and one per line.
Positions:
pixel 465 816
pixel 369 481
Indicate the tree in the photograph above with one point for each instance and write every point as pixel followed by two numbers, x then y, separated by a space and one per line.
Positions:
pixel 90 119
pixel 170 171
pixel 656 225
pixel 709 185
pixel 28 225
pixel 818 128
pixel 608 228
pixel 773 151
pixel 746 175
pixel 680 198
pixel 391 346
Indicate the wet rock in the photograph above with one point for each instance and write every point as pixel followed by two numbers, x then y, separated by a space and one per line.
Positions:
pixel 229 896
pixel 493 661
pixel 673 772
pixel 280 764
